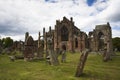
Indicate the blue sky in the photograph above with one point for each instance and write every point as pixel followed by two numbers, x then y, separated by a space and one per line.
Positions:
pixel 20 16
pixel 90 2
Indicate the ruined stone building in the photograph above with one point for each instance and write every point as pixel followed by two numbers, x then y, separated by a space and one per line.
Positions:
pixel 66 33
pixel 100 37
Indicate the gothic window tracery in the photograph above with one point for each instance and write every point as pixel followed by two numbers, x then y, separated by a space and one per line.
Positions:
pixel 64 34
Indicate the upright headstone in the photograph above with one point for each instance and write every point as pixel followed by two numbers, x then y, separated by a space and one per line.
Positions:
pixel 52 54
pixel 81 63
pixel 29 49
pixel 63 53
pixel 106 54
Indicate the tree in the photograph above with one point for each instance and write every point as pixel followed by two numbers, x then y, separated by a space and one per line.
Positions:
pixel 7 42
pixel 0 42
pixel 116 43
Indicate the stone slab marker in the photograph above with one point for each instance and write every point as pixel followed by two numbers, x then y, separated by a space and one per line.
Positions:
pixel 29 49
pixel 63 53
pixel 81 63
pixel 53 58
pixel 52 54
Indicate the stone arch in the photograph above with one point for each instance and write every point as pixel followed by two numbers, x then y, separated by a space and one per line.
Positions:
pixel 100 35
pixel 64 34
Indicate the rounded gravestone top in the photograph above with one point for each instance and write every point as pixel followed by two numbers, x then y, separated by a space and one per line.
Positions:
pixel 29 41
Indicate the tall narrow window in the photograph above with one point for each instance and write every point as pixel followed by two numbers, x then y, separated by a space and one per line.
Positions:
pixel 76 43
pixel 64 34
pixel 101 40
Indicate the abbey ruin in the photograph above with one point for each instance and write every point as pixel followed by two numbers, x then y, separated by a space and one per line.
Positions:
pixel 66 34
pixel 75 40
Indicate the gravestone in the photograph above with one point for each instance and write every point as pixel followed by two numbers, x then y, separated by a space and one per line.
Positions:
pixel 81 63
pixel 106 55
pixel 29 49
pixel 63 53
pixel 51 52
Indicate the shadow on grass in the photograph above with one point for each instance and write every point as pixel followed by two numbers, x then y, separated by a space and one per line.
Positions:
pixel 89 75
pixel 85 75
pixel 37 60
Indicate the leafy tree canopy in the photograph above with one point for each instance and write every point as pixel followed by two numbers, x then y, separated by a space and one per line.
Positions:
pixel 7 42
pixel 116 43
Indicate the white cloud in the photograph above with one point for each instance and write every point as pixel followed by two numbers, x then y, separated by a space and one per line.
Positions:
pixel 116 33
pixel 20 16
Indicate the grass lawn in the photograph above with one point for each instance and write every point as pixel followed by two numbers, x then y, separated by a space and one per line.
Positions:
pixel 95 69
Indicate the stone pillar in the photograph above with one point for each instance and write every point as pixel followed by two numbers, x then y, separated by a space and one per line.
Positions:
pixel 110 40
pixel 71 43
pixel 56 38
pixel 95 43
pixel 79 43
pixel 40 48
pixel 39 39
pixel 83 43
pixel 108 50
pixel 44 38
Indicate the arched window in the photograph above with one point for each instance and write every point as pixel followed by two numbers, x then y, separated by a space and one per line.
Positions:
pixel 100 35
pixel 101 40
pixel 64 34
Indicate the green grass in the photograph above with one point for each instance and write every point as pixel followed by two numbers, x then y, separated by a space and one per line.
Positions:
pixel 95 69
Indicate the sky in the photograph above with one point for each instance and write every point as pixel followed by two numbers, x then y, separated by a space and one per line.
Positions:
pixel 20 16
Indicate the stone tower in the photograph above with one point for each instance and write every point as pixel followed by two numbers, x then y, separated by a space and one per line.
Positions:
pixel 39 48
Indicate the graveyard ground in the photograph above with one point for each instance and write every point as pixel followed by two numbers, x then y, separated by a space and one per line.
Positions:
pixel 95 69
